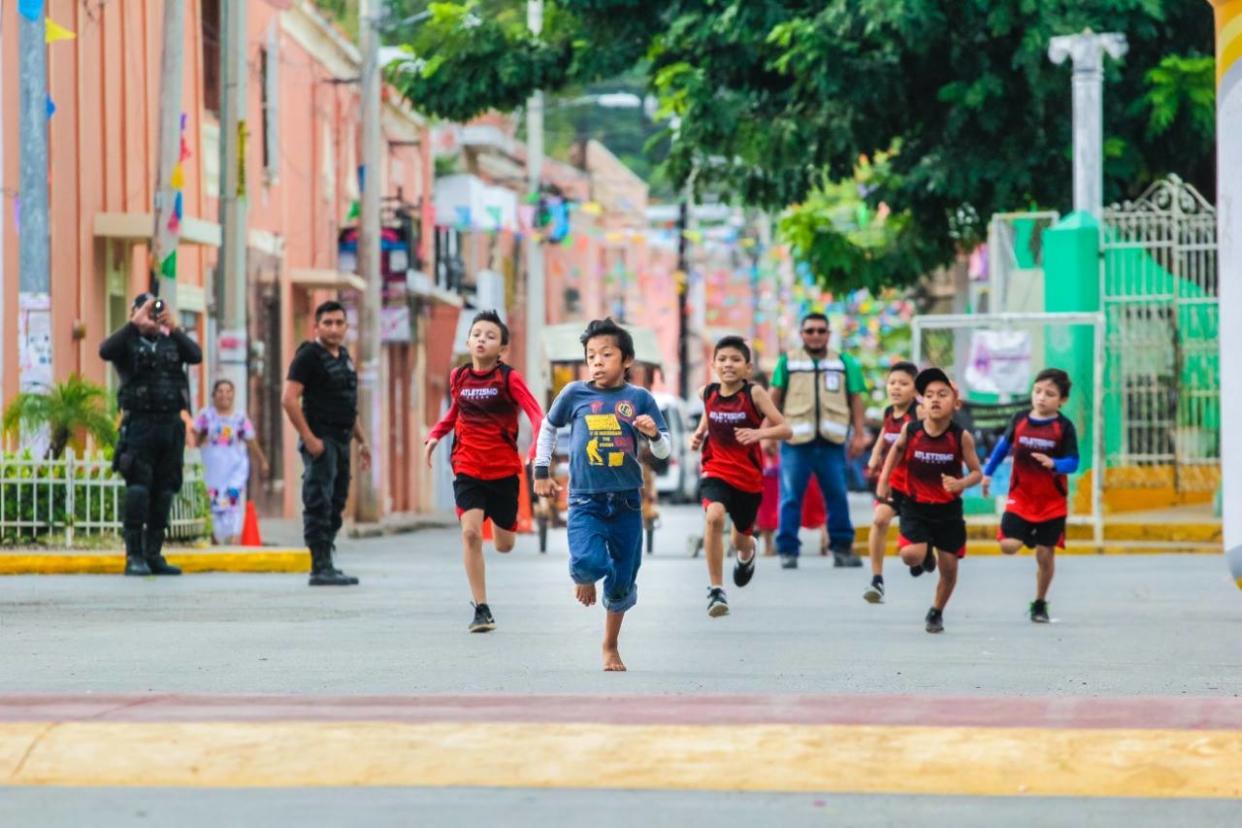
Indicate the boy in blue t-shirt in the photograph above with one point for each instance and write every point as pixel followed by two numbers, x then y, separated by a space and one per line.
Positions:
pixel 606 416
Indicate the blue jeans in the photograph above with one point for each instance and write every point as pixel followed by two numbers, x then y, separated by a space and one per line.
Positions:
pixel 827 462
pixel 606 541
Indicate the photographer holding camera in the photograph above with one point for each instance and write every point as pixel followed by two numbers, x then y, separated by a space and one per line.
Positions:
pixel 150 354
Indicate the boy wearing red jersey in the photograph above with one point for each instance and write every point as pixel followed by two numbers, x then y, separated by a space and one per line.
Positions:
pixel 486 396
pixel 932 522
pixel 901 410
pixel 1044 444
pixel 734 413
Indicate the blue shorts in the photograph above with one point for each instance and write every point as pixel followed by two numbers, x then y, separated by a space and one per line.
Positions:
pixel 606 541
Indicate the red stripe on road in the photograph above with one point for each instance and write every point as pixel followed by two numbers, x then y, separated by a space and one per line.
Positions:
pixel 1195 713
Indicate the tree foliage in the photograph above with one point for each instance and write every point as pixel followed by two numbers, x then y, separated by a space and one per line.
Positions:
pixel 69 410
pixel 772 95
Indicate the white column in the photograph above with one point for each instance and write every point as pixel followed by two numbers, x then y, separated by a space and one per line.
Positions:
pixel 1087 51
pixel 536 300
pixel 1229 215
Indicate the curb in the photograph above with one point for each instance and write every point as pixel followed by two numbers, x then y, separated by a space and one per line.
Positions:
pixel 285 560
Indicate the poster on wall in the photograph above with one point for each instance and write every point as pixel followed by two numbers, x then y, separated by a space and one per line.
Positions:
pixel 34 337
pixel 395 324
pixel 1000 362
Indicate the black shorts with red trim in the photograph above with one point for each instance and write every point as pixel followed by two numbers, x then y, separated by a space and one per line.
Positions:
pixel 497 498
pixel 894 500
pixel 742 507
pixel 1045 533
pixel 939 525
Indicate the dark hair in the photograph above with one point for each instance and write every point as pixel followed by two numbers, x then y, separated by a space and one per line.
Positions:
pixel 494 318
pixel 216 385
pixel 734 342
pixel 905 368
pixel 330 306
pixel 813 315
pixel 606 327
pixel 1058 378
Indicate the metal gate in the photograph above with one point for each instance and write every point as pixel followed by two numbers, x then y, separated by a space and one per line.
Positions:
pixel 1159 293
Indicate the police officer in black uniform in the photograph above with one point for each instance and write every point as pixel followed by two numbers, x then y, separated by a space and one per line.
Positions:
pixel 321 400
pixel 150 354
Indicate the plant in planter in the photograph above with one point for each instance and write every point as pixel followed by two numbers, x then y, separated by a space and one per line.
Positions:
pixel 69 411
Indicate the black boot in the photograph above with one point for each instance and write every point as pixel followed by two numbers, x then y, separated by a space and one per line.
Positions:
pixel 322 573
pixel 135 561
pixel 155 559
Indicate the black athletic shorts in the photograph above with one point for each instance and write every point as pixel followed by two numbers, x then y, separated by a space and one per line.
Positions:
pixel 497 498
pixel 894 500
pixel 1045 533
pixel 939 525
pixel 742 507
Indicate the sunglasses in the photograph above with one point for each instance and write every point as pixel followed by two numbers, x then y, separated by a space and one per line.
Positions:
pixel 815 330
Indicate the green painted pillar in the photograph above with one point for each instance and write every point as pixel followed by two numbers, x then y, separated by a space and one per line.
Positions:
pixel 1072 283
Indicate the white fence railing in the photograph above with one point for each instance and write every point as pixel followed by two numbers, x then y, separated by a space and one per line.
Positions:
pixel 82 496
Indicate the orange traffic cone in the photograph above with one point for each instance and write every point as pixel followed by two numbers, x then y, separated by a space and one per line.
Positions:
pixel 487 529
pixel 250 528
pixel 525 523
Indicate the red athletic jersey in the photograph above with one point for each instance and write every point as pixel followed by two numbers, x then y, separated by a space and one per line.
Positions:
pixel 484 419
pixel 1036 493
pixel 889 433
pixel 927 458
pixel 724 458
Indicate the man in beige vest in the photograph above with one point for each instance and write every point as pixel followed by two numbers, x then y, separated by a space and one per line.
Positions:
pixel 820 392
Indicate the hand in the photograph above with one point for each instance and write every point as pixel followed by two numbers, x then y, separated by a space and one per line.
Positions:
pixel 646 425
pixel 771 448
pixel 314 446
pixel 364 457
pixel 547 487
pixel 141 317
pixel 1043 460
pixel 858 444
pixel 873 466
pixel 883 490
pixel 952 485
pixel 986 483
pixel 430 450
pixel 747 436
pixel 696 440
pixel 167 319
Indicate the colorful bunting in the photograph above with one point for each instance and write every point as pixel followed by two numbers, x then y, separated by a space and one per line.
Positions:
pixel 168 268
pixel 592 208
pixel 178 178
pixel 51 107
pixel 32 10
pixel 54 32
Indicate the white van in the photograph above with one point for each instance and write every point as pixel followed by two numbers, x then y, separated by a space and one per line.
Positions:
pixel 680 481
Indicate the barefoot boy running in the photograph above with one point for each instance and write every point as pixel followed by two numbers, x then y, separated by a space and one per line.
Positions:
pixel 931 515
pixel 484 418
pixel 606 416
pixel 901 405
pixel 734 411
pixel 1045 449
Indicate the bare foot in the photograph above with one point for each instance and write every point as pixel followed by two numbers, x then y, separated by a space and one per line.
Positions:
pixel 585 593
pixel 612 661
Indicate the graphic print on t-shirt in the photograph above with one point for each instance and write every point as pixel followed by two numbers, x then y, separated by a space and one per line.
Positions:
pixel 603 443
pixel 1037 493
pixel 928 458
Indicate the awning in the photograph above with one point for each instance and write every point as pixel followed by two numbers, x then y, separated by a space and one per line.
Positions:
pixel 322 277
pixel 139 226
pixel 561 344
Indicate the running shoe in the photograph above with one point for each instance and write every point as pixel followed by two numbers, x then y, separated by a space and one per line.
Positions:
pixel 916 571
pixel 935 621
pixel 743 572
pixel 874 593
pixel 483 620
pixel 1039 612
pixel 717 604
pixel 929 563
pixel 789 561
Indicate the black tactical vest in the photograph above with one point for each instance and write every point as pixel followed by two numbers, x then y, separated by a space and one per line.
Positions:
pixel 335 405
pixel 158 382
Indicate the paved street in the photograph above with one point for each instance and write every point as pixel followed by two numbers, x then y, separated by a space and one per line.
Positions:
pixel 1168 626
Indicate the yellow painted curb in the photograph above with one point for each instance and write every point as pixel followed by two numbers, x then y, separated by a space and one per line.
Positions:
pixel 53 563
pixel 976 548
pixel 1189 533
pixel 963 761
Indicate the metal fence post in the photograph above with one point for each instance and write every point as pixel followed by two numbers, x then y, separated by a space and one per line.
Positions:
pixel 69 497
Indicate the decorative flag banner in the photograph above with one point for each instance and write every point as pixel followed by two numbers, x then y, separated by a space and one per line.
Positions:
pixel 178 178
pixel 592 208
pixel 169 267
pixel 51 107
pixel 495 213
pixel 17 213
pixel 55 32
pixel 32 10
pixel 177 205
pixel 355 210
pixel 526 216
pixel 463 217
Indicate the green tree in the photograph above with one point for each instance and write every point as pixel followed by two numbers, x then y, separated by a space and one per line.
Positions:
pixel 70 410
pixel 772 95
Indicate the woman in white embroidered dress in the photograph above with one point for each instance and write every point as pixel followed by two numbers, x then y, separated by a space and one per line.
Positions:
pixel 225 437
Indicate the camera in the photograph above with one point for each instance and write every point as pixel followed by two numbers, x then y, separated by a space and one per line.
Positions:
pixel 157 308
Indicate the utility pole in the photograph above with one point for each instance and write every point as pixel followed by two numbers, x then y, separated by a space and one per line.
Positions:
pixel 34 244
pixel 164 239
pixel 1229 216
pixel 370 376
pixel 231 265
pixel 683 290
pixel 1087 51
pixel 536 299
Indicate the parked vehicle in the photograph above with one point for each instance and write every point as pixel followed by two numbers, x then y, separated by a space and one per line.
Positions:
pixel 678 480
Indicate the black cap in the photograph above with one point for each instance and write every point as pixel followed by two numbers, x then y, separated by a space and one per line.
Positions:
pixel 929 375
pixel 141 299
